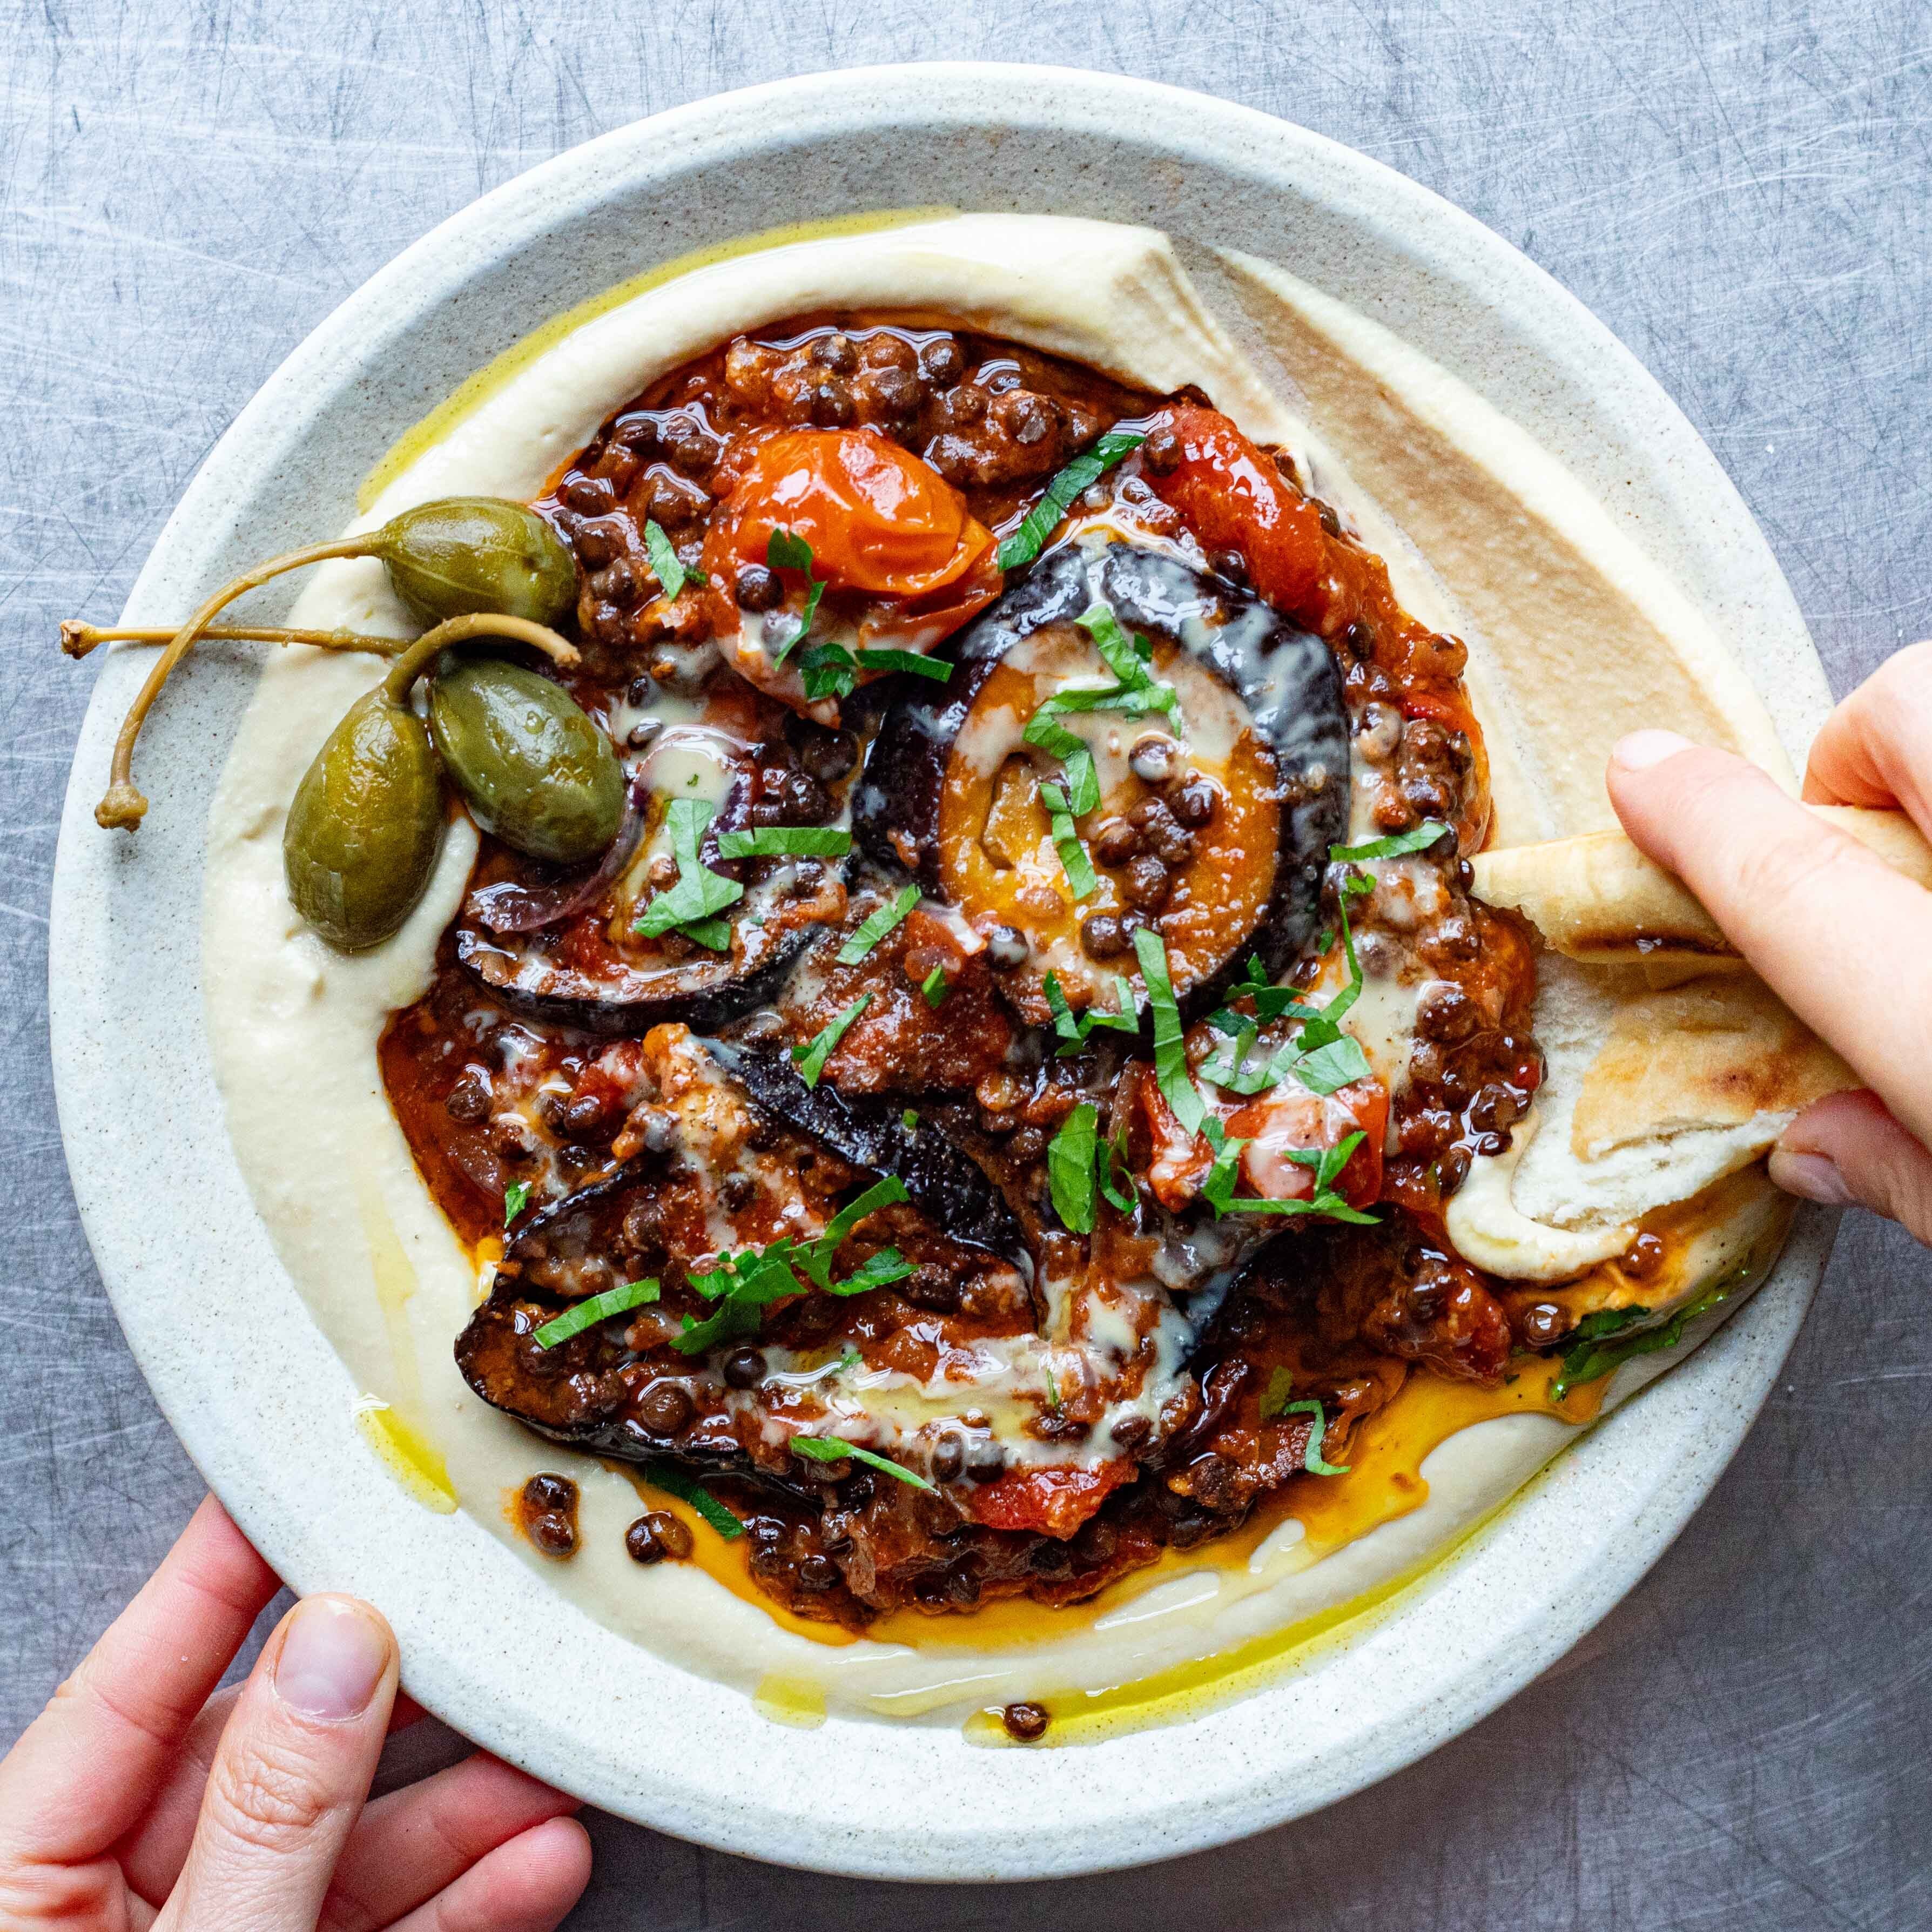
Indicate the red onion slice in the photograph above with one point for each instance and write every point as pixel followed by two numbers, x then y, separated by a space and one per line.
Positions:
pixel 509 907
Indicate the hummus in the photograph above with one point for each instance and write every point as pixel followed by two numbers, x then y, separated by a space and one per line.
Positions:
pixel 1470 516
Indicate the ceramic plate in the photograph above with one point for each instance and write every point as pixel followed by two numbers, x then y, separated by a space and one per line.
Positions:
pixel 262 1403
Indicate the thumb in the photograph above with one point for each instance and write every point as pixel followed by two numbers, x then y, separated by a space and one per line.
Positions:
pixel 1842 940
pixel 291 1772
pixel 1847 1148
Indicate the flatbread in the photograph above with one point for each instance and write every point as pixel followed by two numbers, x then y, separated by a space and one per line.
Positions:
pixel 1597 899
pixel 1669 1063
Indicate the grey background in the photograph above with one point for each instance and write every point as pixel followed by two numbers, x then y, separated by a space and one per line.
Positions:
pixel 1742 190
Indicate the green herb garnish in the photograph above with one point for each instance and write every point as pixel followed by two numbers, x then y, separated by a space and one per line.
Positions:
pixel 1218 1189
pixel 1085 470
pixel 1124 1198
pixel 1130 659
pixel 1074 1032
pixel 715 933
pixel 671 574
pixel 675 1482
pixel 1135 689
pixel 909 1120
pixel 1316 1436
pixel 1052 1388
pixel 586 1314
pixel 816 1255
pixel 1590 1357
pixel 784 551
pixel 1417 839
pixel 783 842
pixel 812 1057
pixel 876 924
pixel 1073 859
pixel 830 671
pixel 1321 1056
pixel 834 1449
pixel 516 1198
pixel 1170 1051
pixel 827 670
pixel 1076 761
pixel 745 1285
pixel 1069 1168
pixel 937 669
pixel 689 906
pixel 934 986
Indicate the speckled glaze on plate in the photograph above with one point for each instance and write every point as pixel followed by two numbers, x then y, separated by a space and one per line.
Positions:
pixel 263 1404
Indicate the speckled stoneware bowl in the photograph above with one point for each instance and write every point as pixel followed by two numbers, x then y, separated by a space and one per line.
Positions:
pixel 256 1393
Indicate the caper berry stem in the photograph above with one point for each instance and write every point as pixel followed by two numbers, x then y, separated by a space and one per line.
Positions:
pixel 78 639
pixel 410 666
pixel 122 807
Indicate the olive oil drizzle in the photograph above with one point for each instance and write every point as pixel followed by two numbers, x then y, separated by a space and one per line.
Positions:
pixel 477 388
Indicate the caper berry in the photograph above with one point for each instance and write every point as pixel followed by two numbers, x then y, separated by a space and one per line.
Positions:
pixel 532 767
pixel 464 554
pixel 365 825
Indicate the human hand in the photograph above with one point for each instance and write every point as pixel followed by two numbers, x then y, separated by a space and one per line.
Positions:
pixel 143 1797
pixel 1844 940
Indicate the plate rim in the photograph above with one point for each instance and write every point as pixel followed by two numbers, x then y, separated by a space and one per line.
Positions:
pixel 1740 1365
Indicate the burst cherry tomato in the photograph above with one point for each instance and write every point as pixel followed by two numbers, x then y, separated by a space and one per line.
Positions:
pixel 879 522
pixel 1232 497
pixel 1286 1121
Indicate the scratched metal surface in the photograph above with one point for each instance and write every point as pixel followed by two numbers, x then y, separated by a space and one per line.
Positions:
pixel 1742 190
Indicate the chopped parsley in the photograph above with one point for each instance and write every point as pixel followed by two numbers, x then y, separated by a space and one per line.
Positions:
pixel 1321 1056
pixel 1069 1168
pixel 744 1285
pixel 935 986
pixel 671 574
pixel 516 1198
pixel 1218 1189
pixel 785 551
pixel 919 665
pixel 1122 1194
pixel 835 1449
pixel 1080 878
pixel 1592 1355
pixel 1136 690
pixel 675 1482
pixel 586 1314
pixel 1074 1032
pixel 1082 473
pixel 830 671
pixel 689 907
pixel 812 1056
pixel 1419 839
pixel 784 842
pixel 1076 761
pixel 1276 1403
pixel 1170 1051
pixel 876 924
pixel 909 1120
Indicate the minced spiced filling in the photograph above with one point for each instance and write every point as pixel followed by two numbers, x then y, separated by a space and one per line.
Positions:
pixel 1072 1402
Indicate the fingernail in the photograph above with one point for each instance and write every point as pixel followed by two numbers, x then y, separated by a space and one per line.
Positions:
pixel 1811 1177
pixel 1640 750
pixel 331 1661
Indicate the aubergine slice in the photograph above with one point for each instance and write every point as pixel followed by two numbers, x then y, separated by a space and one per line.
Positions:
pixel 584 966
pixel 734 1141
pixel 1217 842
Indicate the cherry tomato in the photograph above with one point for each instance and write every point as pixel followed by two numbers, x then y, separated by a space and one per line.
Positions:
pixel 879 521
pixel 1232 497
pixel 1051 1498
pixel 1289 1120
